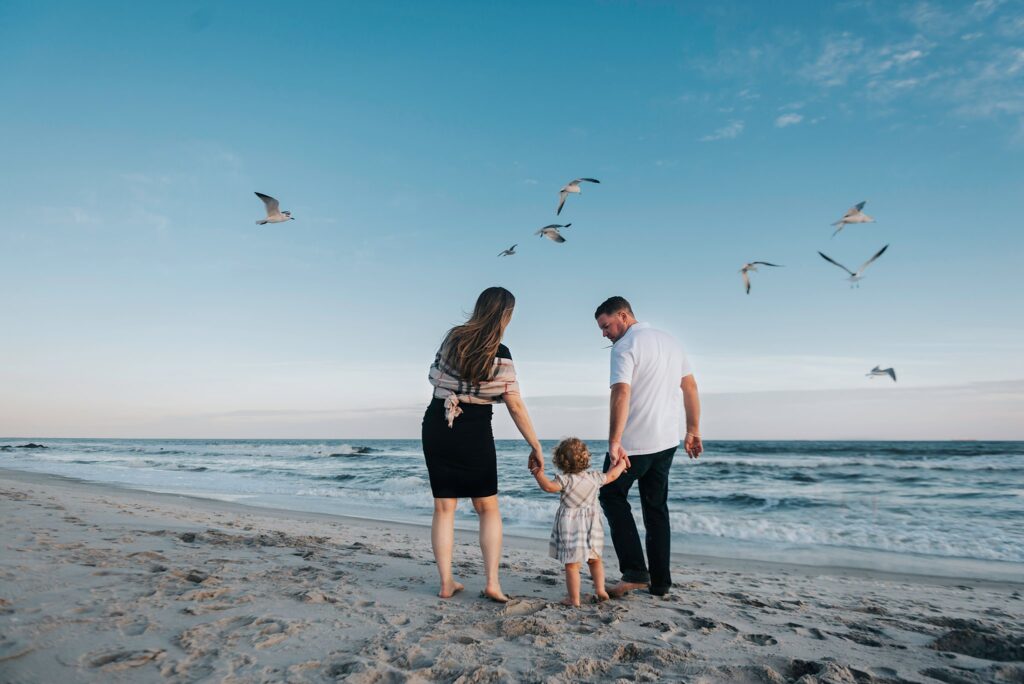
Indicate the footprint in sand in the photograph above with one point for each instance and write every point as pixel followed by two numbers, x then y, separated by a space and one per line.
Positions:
pixel 761 639
pixel 812 632
pixel 122 660
pixel 133 627
pixel 708 625
pixel 523 607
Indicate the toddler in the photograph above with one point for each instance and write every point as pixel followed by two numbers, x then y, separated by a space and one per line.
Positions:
pixel 578 535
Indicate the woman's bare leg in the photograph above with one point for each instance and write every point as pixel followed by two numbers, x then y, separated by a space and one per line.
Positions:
pixel 490 543
pixel 442 538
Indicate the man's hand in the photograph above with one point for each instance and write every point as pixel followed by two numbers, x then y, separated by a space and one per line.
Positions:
pixel 692 445
pixel 617 453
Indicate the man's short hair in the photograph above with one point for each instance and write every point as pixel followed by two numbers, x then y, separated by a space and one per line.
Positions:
pixel 613 305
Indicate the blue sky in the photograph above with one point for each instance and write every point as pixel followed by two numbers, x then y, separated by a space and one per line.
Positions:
pixel 414 141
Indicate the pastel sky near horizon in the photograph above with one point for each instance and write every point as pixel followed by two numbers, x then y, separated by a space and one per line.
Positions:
pixel 414 141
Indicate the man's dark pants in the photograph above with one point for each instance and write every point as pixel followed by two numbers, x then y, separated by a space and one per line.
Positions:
pixel 650 471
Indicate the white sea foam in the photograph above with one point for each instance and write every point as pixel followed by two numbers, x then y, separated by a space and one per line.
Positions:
pixel 945 502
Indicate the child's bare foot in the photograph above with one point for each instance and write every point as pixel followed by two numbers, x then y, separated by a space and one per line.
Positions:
pixel 450 590
pixel 568 601
pixel 601 595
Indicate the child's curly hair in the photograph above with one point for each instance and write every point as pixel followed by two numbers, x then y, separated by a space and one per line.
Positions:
pixel 572 456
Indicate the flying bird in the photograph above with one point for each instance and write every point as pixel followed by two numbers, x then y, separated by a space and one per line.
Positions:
pixel 510 251
pixel 853 215
pixel 573 186
pixel 551 232
pixel 855 277
pixel 877 370
pixel 274 213
pixel 752 266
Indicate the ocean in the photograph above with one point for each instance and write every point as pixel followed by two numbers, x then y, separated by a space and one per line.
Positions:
pixel 939 508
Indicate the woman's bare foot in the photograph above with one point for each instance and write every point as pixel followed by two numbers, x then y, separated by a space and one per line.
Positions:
pixel 494 594
pixel 623 588
pixel 567 601
pixel 449 591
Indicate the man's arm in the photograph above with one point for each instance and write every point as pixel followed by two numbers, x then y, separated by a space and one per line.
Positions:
pixel 617 422
pixel 691 402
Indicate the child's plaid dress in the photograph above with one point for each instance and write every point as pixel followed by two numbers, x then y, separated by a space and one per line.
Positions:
pixel 578 534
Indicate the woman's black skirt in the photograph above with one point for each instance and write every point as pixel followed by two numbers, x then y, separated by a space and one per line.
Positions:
pixel 460 459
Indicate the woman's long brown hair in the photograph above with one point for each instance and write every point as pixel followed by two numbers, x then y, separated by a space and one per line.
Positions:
pixel 472 346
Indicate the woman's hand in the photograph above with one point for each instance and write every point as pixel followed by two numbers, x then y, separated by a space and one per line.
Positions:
pixel 536 460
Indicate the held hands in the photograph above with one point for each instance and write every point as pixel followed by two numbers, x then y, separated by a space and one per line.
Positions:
pixel 617 453
pixel 693 445
pixel 536 461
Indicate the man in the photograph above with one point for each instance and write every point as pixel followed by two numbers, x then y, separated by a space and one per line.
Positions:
pixel 650 378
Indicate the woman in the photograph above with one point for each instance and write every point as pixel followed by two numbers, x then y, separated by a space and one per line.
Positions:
pixel 472 371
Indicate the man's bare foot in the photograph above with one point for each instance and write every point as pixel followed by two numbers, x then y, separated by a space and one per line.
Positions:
pixel 496 595
pixel 567 601
pixel 623 588
pixel 448 592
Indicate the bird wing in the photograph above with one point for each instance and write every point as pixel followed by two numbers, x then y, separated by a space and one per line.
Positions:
pixel 555 226
pixel 561 201
pixel 746 280
pixel 589 180
pixel 272 204
pixel 868 262
pixel 876 369
pixel 765 263
pixel 556 236
pixel 892 373
pixel 831 260
pixel 854 210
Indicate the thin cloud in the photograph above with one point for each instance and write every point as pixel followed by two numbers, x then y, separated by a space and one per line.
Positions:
pixel 727 132
pixel 839 60
pixel 790 119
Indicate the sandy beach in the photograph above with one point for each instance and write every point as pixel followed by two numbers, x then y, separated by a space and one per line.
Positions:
pixel 99 583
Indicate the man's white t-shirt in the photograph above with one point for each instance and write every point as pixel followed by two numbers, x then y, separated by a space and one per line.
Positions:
pixel 652 363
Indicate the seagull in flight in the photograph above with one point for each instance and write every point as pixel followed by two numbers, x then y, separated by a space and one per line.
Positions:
pixel 510 251
pixel 551 232
pixel 877 370
pixel 855 277
pixel 572 186
pixel 852 215
pixel 752 266
pixel 274 213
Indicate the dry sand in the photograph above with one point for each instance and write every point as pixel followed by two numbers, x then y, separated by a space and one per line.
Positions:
pixel 100 584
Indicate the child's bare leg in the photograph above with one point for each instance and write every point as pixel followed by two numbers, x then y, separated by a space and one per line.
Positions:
pixel 572 585
pixel 597 574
